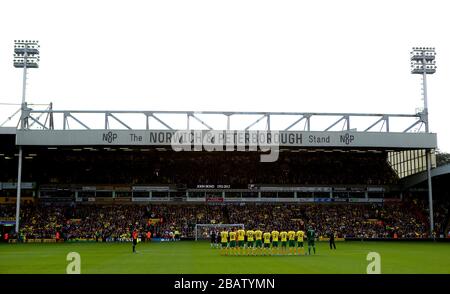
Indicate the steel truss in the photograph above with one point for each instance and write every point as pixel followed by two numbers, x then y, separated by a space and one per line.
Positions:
pixel 50 119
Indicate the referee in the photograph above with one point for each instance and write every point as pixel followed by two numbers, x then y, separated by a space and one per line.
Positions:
pixel 332 244
pixel 135 236
pixel 213 238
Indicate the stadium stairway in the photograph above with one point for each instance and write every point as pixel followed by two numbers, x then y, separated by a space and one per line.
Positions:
pixel 226 215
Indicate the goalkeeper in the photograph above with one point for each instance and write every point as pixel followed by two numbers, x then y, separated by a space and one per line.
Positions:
pixel 311 234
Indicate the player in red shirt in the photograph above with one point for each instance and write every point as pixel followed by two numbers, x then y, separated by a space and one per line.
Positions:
pixel 135 236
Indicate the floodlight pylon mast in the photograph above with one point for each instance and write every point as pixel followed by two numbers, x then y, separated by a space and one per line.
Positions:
pixel 423 62
pixel 26 55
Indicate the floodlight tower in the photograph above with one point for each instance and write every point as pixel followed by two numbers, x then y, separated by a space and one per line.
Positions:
pixel 26 55
pixel 423 62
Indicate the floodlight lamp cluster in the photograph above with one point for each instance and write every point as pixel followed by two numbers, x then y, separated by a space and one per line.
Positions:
pixel 26 53
pixel 424 48
pixel 26 41
pixel 423 60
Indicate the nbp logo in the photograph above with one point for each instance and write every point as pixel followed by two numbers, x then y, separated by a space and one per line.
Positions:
pixel 109 137
pixel 347 139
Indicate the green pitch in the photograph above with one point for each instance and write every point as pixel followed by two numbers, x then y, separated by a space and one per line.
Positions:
pixel 198 257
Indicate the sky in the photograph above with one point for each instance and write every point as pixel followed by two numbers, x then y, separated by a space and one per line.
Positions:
pixel 233 55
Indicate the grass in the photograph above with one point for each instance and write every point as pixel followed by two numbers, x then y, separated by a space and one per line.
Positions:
pixel 198 258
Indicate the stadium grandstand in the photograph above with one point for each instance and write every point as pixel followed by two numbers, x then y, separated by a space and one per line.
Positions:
pixel 100 183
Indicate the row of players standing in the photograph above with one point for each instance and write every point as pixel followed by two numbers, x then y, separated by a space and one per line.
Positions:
pixel 239 241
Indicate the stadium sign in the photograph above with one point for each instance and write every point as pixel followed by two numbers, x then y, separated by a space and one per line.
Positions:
pixel 150 188
pixel 214 199
pixel 323 200
pixel 209 187
pixel 224 140
pixel 339 200
pixel 12 186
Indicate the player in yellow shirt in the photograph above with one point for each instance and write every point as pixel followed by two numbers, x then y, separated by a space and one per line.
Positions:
pixel 291 238
pixel 241 240
pixel 224 242
pixel 232 243
pixel 283 237
pixel 300 234
pixel 275 235
pixel 250 241
pixel 258 243
pixel 266 243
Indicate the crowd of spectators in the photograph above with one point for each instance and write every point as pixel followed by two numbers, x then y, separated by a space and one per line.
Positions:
pixel 441 218
pixel 7 211
pixel 345 220
pixel 441 214
pixel 405 219
pixel 238 169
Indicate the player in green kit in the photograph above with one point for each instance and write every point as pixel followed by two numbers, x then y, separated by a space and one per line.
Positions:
pixel 275 235
pixel 266 243
pixel 241 241
pixel 291 238
pixel 300 234
pixel 224 242
pixel 232 235
pixel 250 242
pixel 258 242
pixel 283 237
pixel 311 234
